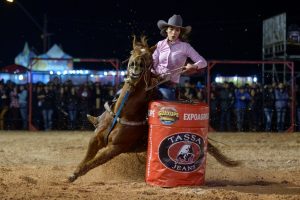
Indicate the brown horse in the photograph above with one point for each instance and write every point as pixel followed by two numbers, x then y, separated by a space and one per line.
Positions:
pixel 131 130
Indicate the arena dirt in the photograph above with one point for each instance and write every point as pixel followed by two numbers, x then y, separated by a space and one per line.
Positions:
pixel 34 165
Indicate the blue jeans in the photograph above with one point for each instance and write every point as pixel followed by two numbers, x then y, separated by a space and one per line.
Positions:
pixel 24 116
pixel 280 119
pixel 168 92
pixel 268 114
pixel 72 118
pixel 225 120
pixel 240 116
pixel 47 116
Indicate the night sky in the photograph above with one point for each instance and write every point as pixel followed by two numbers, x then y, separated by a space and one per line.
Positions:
pixel 103 29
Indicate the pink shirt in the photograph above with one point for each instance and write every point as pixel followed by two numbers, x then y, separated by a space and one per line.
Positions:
pixel 172 56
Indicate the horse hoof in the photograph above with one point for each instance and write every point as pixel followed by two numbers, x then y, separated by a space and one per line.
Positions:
pixel 72 178
pixel 92 119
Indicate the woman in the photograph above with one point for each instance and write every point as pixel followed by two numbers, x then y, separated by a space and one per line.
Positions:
pixel 268 105
pixel 170 56
pixel 23 96
pixel 281 105
pixel 14 107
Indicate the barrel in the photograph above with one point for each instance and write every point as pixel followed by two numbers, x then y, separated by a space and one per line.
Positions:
pixel 177 143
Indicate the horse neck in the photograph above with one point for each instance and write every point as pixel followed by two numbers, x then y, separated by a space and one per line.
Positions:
pixel 137 101
pixel 135 92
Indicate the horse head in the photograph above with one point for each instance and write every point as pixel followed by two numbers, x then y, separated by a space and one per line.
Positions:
pixel 140 59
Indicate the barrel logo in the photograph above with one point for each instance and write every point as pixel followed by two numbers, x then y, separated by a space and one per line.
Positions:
pixel 168 115
pixel 182 152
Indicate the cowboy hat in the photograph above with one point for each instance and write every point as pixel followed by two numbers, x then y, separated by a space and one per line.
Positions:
pixel 176 21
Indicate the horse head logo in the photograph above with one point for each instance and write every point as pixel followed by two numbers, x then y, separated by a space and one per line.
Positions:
pixel 185 154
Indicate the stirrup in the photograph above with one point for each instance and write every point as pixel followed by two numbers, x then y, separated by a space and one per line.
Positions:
pixel 92 119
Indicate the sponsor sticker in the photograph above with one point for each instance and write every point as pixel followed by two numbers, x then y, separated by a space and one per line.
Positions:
pixel 195 116
pixel 168 115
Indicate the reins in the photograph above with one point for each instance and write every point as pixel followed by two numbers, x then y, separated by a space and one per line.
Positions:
pixel 168 78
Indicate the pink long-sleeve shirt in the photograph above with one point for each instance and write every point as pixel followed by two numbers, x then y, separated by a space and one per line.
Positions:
pixel 167 57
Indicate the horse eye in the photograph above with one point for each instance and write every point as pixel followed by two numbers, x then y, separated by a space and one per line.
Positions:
pixel 131 64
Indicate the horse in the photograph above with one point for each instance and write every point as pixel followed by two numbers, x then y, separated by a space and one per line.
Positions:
pixel 123 127
pixel 131 127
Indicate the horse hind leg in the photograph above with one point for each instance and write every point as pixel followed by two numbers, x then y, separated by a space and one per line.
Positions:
pixel 104 155
pixel 94 146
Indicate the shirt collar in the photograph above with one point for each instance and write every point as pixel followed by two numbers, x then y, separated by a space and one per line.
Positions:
pixel 176 41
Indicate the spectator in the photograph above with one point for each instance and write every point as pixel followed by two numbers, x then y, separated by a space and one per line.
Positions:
pixel 23 96
pixel 84 107
pixel 98 104
pixel 72 104
pixel 268 106
pixel 213 107
pixel 281 103
pixel 240 105
pixel 226 97
pixel 14 107
pixel 4 104
pixel 187 93
pixel 255 106
pixel 48 101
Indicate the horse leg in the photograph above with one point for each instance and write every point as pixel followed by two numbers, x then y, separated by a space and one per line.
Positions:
pixel 104 155
pixel 93 148
pixel 92 119
pixel 96 120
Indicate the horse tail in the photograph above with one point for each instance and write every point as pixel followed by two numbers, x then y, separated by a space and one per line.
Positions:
pixel 220 157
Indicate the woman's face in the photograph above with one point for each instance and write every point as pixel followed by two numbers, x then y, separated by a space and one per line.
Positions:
pixel 173 33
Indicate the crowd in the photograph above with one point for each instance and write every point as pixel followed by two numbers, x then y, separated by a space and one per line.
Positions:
pixel 57 106
pixel 251 107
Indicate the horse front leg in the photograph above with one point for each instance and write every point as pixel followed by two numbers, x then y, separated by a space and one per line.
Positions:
pixel 94 146
pixel 104 155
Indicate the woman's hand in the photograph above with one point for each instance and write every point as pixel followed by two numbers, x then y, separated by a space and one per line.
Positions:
pixel 190 69
pixel 190 66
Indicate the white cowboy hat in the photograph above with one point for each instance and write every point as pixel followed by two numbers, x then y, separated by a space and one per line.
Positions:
pixel 176 21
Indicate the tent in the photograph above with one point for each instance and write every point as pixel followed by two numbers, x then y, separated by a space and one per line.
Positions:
pixel 13 69
pixel 54 60
pixel 24 57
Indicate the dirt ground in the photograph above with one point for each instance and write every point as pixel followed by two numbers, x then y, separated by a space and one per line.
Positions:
pixel 34 165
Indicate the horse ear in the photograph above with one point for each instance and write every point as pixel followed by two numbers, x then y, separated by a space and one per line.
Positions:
pixel 152 49
pixel 144 40
pixel 134 41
